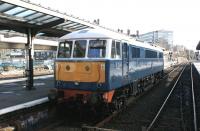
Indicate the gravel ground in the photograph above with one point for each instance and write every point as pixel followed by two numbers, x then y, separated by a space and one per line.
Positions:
pixel 177 114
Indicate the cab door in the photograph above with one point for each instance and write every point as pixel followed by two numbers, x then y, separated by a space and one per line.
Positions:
pixel 125 60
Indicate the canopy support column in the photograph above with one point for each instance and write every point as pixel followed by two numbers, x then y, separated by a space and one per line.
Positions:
pixel 29 59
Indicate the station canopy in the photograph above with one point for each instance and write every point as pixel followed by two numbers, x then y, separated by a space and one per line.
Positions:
pixel 18 15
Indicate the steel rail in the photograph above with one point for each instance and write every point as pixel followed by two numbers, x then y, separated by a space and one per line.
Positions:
pixel 157 115
pixel 193 101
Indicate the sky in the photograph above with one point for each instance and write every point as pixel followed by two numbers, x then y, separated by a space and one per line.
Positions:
pixel 180 16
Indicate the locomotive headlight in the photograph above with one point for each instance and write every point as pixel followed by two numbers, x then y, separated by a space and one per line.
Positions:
pixel 99 85
pixel 87 68
pixel 76 83
pixel 67 67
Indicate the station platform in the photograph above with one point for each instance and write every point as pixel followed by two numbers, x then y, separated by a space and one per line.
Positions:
pixel 197 65
pixel 13 91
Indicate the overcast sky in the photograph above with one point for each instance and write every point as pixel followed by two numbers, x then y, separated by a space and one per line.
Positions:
pixel 180 16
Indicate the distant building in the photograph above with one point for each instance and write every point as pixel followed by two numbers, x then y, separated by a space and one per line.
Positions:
pixel 162 38
pixel 179 48
pixel 13 48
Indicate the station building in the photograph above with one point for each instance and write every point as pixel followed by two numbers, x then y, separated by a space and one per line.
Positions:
pixel 163 38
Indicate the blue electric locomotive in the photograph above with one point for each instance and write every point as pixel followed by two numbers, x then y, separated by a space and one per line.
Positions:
pixel 95 66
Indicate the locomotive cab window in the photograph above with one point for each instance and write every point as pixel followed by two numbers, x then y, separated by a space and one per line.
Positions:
pixel 160 55
pixel 79 48
pixel 65 49
pixel 135 52
pixel 97 49
pixel 125 50
pixel 116 50
pixel 150 54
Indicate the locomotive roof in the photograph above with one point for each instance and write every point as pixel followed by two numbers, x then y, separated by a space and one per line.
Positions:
pixel 106 34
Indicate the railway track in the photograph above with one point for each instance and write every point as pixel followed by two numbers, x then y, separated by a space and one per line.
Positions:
pixel 139 114
pixel 178 111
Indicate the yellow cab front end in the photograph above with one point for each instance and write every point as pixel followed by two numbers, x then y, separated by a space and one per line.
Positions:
pixel 80 70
